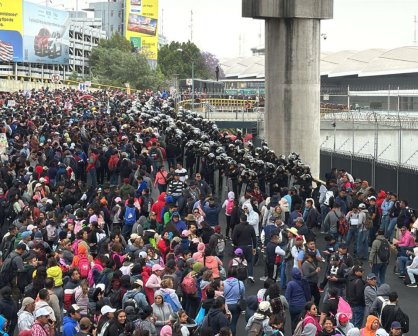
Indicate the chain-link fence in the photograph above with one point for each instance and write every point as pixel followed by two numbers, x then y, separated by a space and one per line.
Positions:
pixel 399 179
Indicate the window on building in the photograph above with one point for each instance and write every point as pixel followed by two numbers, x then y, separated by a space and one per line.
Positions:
pixel 111 28
pixel 111 13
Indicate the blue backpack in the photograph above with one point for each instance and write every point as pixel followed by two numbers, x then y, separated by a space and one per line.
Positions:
pixel 130 216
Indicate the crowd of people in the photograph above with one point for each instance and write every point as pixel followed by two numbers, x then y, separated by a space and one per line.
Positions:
pixel 122 216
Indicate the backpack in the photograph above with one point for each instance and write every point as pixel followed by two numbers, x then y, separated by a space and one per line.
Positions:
pixel 384 251
pixel 167 298
pixel 7 247
pixel 403 319
pixel 242 272
pixel 385 302
pixel 146 205
pixel 176 330
pixel 104 328
pixel 220 245
pixel 130 301
pixel 342 225
pixel 329 198
pixel 189 284
pixel 115 299
pixel 229 207
pixel 299 329
pixel 130 216
pixel 368 223
pixel 51 232
pixel 256 328
pixel 277 306
pixel 9 211
pixel 84 267
pixel 344 308
pixel 153 154
pixel 7 272
pixel 113 162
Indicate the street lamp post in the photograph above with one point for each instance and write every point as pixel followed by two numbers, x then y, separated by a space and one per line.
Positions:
pixel 192 85
pixel 181 50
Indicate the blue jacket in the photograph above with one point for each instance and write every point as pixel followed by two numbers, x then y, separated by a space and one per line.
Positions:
pixel 70 327
pixel 233 288
pixel 2 322
pixel 297 290
pixel 212 214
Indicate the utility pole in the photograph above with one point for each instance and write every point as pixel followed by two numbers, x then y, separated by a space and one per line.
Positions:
pixel 191 25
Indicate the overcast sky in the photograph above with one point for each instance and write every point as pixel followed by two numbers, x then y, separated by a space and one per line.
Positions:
pixel 219 28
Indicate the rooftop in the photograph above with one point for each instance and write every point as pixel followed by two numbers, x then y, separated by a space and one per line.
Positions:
pixel 370 62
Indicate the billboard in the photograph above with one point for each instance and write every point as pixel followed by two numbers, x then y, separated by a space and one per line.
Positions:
pixel 45 34
pixel 141 26
pixel 11 26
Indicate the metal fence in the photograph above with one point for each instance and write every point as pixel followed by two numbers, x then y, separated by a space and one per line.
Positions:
pixel 399 179
pixel 386 137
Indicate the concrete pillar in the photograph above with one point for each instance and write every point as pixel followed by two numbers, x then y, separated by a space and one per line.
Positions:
pixel 292 111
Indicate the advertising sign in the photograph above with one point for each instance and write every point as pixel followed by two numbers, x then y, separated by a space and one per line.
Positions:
pixel 141 26
pixel 11 26
pixel 45 34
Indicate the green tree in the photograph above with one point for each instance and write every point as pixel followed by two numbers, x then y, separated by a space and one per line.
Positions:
pixel 177 58
pixel 113 62
pixel 116 41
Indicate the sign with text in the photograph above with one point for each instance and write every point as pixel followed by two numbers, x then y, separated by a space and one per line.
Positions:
pixel 141 26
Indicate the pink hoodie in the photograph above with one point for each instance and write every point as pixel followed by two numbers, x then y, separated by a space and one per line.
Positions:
pixel 166 331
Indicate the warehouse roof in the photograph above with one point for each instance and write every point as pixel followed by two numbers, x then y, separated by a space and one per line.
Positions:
pixel 370 62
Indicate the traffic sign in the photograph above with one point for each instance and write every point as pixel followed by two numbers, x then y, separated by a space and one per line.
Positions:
pixel 55 78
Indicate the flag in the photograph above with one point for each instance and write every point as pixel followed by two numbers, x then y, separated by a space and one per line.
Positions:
pixel 6 51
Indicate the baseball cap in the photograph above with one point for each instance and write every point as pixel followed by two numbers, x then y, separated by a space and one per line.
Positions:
pixel 264 306
pixel 299 237
pixel 157 267
pixel 185 233
pixel 107 309
pixel 118 199
pixel 26 234
pixel 27 301
pixel 362 206
pixel 41 312
pixel 74 309
pixel 175 214
pixel 372 198
pixel 343 318
pixel 396 325
pixel 239 252
pixel 371 276
pixel 143 254
pixel 139 282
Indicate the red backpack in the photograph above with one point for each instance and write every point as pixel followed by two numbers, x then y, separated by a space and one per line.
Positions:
pixel 84 267
pixel 113 162
pixel 189 285
pixel 229 207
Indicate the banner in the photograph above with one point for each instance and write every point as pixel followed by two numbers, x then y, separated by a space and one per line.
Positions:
pixel 11 26
pixel 45 34
pixel 141 26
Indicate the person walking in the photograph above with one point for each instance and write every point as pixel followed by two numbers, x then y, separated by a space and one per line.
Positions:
pixel 297 294
pixel 244 237
pixel 379 257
